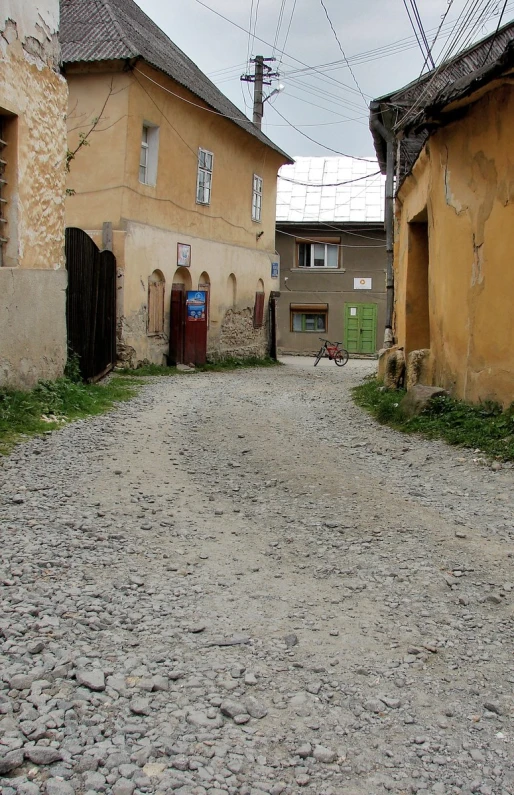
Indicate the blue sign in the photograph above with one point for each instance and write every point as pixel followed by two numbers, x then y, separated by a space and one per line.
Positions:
pixel 196 302
pixel 274 270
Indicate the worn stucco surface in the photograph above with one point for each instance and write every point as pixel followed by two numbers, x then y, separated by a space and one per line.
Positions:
pixel 32 282
pixel 31 89
pixel 463 184
pixel 150 220
pixel 32 325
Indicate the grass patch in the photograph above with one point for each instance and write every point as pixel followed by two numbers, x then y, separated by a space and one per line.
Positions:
pixel 52 404
pixel 222 365
pixel 485 426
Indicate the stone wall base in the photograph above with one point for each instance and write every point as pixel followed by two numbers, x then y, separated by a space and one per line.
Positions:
pixel 32 326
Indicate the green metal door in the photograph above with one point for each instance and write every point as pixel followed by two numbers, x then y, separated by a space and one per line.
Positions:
pixel 360 328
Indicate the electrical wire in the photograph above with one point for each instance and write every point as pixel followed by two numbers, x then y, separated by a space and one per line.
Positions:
pixel 495 33
pixel 343 52
pixel 417 17
pixel 439 29
pixel 287 35
pixel 268 44
pixel 324 146
pixel 279 25
pixel 310 240
pixel 413 27
pixel 328 184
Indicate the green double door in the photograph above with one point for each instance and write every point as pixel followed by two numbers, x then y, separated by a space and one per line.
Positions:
pixel 360 328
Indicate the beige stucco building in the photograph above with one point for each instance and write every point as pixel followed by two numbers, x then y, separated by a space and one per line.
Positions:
pixel 33 105
pixel 186 180
pixel 454 222
pixel 331 241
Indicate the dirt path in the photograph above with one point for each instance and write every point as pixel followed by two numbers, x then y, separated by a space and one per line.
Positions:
pixel 239 583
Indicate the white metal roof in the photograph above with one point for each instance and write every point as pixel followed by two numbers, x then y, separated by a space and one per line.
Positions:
pixel 325 199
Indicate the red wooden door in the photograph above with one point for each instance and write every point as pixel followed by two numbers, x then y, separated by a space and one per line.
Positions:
pixel 177 324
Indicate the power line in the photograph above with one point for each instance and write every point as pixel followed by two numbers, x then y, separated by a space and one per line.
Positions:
pixel 343 52
pixel 329 184
pixel 413 26
pixel 324 146
pixel 268 44
pixel 287 35
pixel 279 25
pixel 495 32
pixel 439 29
pixel 310 240
pixel 417 17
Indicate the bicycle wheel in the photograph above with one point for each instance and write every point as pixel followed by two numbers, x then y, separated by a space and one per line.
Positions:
pixel 341 357
pixel 318 356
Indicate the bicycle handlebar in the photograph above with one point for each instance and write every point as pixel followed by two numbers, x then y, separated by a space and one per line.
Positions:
pixel 328 341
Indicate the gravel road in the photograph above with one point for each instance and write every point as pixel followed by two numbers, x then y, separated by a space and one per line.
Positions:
pixel 238 582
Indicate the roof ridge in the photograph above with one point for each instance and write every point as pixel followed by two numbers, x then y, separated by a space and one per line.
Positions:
pixel 124 38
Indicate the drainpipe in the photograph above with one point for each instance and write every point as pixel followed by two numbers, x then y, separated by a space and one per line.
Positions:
pixel 389 226
pixel 388 136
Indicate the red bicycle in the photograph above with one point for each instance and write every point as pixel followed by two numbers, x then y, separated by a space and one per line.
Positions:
pixel 334 351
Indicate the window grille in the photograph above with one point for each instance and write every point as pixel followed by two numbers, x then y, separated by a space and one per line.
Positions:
pixel 3 187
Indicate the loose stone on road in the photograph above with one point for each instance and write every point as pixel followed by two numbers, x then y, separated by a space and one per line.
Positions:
pixel 238 582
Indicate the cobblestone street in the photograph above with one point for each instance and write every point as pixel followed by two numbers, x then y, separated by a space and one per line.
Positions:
pixel 238 582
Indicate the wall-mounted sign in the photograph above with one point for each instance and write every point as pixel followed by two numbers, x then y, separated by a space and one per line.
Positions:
pixel 353 311
pixel 362 284
pixel 196 305
pixel 183 255
pixel 274 270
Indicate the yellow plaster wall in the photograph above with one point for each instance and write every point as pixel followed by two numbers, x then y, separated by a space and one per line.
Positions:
pixel 97 172
pixel 465 178
pixel 149 221
pixel 151 248
pixel 37 95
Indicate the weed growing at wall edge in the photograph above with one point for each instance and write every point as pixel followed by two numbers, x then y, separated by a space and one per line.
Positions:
pixel 52 404
pixel 485 427
pixel 231 363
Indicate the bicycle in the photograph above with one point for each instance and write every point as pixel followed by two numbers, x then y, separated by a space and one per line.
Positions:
pixel 334 351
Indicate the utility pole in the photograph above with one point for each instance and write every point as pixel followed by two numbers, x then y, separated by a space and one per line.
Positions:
pixel 262 77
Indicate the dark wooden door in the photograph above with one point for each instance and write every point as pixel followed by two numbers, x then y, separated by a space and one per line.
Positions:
pixel 91 304
pixel 177 324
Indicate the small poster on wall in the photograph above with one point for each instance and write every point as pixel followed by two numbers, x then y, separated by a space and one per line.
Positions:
pixel 274 270
pixel 183 255
pixel 362 284
pixel 196 305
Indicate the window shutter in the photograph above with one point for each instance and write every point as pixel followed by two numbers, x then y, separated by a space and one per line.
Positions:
pixel 156 307
pixel 258 312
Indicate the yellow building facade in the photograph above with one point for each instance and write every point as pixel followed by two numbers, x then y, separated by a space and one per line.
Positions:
pixel 33 105
pixel 189 194
pixel 454 233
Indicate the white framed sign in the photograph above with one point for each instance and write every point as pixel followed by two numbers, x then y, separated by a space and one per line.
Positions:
pixel 362 284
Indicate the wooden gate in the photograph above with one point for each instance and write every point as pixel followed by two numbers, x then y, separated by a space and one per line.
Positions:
pixel 91 304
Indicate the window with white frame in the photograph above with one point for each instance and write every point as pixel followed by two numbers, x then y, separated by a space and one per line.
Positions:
pixel 204 179
pixel 318 255
pixel 257 198
pixel 148 154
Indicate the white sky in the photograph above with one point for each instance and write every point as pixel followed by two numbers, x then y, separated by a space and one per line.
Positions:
pixel 318 104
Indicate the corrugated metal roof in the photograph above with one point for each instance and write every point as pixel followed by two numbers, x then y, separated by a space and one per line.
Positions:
pixel 327 200
pixel 103 30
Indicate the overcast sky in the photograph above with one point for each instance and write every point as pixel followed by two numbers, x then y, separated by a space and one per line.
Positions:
pixel 327 107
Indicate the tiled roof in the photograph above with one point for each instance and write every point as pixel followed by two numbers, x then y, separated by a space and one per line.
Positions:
pixel 103 30
pixel 325 200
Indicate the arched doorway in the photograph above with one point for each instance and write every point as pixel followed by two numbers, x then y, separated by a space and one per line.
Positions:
pixel 232 290
pixel 183 276
pixel 204 283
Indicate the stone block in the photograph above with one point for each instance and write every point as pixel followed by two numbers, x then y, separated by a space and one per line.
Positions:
pixel 418 398
pixel 417 368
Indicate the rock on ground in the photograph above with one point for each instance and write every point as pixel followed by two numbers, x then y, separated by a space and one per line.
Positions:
pixel 240 583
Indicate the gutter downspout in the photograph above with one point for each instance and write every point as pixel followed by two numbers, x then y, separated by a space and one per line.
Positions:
pixel 388 137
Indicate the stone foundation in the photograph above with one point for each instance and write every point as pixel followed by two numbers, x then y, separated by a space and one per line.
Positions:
pixel 239 338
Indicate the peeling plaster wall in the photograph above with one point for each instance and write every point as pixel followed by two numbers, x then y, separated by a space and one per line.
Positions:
pixel 465 180
pixel 33 91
